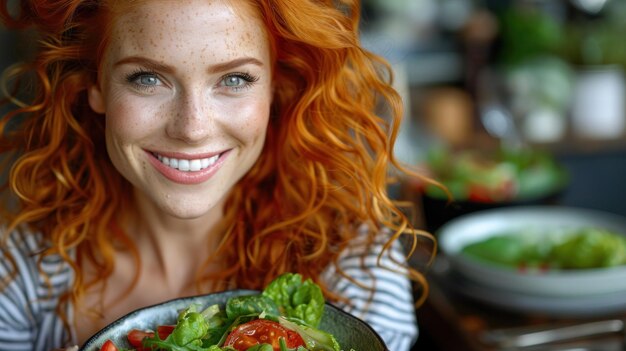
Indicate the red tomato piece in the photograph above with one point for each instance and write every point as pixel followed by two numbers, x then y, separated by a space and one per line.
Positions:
pixel 262 331
pixel 136 336
pixel 478 193
pixel 108 346
pixel 164 331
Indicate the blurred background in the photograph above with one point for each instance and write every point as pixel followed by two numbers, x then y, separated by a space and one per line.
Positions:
pixel 539 75
pixel 508 102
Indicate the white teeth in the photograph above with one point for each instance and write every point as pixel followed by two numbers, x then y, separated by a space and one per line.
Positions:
pixel 188 165
pixel 183 165
pixel 195 165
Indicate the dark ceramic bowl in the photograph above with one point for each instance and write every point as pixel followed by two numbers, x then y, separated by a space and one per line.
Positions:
pixel 438 211
pixel 524 177
pixel 349 331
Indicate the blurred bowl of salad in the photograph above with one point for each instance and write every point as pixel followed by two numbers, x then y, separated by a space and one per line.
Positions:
pixel 549 258
pixel 477 180
pixel 290 313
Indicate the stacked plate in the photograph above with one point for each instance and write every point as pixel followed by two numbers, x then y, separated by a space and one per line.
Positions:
pixel 559 292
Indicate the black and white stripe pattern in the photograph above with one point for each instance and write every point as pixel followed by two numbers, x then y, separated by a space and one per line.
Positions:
pixel 28 320
pixel 388 306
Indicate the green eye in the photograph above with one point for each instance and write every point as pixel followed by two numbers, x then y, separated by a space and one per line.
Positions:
pixel 233 81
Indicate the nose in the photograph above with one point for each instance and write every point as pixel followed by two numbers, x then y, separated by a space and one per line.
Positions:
pixel 191 120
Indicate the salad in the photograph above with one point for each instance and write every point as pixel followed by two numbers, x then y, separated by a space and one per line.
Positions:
pixel 493 176
pixel 283 317
pixel 583 248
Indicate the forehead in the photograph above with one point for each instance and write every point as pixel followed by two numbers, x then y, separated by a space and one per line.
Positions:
pixel 189 27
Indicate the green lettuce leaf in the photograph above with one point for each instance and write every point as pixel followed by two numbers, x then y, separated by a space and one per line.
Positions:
pixel 296 298
pixel 250 304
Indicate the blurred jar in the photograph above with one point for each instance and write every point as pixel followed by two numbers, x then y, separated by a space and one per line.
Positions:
pixel 539 95
pixel 449 115
pixel 598 109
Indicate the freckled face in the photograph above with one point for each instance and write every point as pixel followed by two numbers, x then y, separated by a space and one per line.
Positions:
pixel 186 91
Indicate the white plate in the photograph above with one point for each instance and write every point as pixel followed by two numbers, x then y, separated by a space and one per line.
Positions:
pixel 588 306
pixel 458 233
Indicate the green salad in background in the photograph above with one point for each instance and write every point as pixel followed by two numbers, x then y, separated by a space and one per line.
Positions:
pixel 494 176
pixel 582 248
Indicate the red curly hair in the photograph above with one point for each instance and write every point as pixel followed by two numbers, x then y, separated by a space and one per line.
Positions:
pixel 324 170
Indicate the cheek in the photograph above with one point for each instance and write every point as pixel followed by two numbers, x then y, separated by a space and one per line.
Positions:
pixel 252 125
pixel 128 118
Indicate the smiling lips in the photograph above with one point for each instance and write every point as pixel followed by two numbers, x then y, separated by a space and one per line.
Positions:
pixel 188 165
pixel 187 170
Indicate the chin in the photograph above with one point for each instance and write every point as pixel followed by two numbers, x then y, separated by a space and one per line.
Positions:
pixel 189 215
pixel 190 212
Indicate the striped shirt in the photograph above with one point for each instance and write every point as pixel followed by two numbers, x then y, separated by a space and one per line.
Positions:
pixel 29 322
pixel 387 306
pixel 28 319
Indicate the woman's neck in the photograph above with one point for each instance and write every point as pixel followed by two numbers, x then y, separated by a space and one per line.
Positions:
pixel 173 248
pixel 171 252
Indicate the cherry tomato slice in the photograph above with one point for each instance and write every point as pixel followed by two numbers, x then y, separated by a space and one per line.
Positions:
pixel 479 193
pixel 164 331
pixel 136 336
pixel 262 331
pixel 108 346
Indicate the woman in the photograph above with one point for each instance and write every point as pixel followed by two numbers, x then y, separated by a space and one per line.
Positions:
pixel 181 147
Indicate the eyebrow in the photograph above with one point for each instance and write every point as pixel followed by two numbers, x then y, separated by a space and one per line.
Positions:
pixel 152 64
pixel 219 67
pixel 225 66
